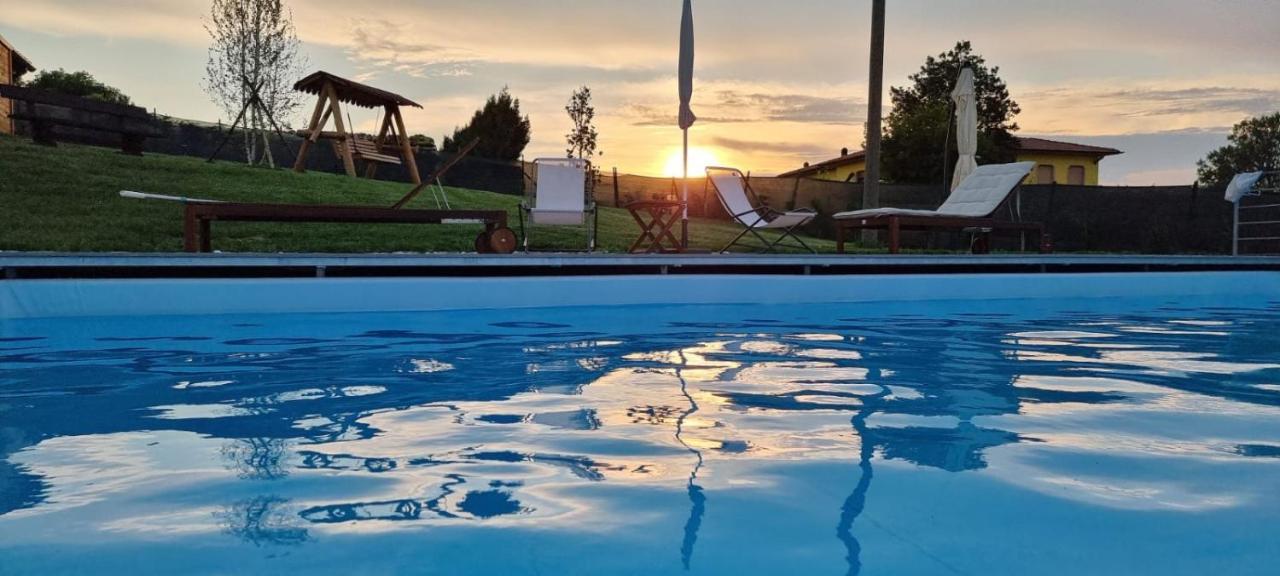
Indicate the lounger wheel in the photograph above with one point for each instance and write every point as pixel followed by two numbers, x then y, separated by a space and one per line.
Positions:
pixel 502 241
pixel 496 241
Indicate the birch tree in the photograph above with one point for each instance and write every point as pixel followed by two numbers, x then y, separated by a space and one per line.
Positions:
pixel 253 44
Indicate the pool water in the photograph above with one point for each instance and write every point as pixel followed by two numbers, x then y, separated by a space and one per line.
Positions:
pixel 1005 437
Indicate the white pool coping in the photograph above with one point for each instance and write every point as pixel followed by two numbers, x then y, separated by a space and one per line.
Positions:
pixel 25 299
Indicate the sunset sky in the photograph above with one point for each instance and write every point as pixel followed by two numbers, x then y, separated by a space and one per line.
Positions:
pixel 779 83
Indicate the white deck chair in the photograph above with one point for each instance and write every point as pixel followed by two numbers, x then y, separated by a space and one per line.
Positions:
pixel 972 205
pixel 735 194
pixel 560 198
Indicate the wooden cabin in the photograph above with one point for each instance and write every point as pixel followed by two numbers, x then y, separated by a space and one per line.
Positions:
pixel 12 66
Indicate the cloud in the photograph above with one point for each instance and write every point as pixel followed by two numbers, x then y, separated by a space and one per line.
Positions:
pixel 731 106
pixel 654 115
pixel 177 21
pixel 1154 102
pixel 1127 107
pixel 384 45
pixel 752 147
pixel 795 107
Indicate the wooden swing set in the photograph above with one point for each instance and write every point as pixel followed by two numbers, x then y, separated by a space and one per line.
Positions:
pixel 392 143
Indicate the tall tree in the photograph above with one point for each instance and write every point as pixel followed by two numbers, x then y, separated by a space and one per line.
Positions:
pixel 1254 144
pixel 917 128
pixel 503 131
pixel 582 139
pixel 80 84
pixel 254 44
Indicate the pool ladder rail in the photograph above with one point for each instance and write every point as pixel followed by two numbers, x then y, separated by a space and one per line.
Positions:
pixel 1267 191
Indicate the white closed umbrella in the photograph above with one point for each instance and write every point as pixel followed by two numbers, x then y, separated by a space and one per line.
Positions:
pixel 686 114
pixel 966 127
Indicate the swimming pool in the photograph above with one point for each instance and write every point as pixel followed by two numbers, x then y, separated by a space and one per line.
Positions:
pixel 1039 433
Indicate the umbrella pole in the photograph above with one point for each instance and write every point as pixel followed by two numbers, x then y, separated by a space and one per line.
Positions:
pixel 684 221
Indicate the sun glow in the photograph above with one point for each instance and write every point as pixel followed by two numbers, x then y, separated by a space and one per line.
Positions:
pixel 699 159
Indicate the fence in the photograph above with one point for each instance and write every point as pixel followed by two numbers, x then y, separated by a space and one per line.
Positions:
pixel 1147 219
pixel 471 172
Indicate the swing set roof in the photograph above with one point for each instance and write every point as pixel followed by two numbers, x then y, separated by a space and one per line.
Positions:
pixel 352 92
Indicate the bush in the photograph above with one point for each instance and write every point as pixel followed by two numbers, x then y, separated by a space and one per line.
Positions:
pixel 81 84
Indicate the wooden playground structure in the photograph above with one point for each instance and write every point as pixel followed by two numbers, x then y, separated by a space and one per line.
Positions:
pixel 391 146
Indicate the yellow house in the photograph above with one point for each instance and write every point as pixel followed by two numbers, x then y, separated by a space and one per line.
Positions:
pixel 1056 162
pixel 12 67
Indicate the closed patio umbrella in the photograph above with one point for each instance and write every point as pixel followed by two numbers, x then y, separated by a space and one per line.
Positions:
pixel 966 127
pixel 686 114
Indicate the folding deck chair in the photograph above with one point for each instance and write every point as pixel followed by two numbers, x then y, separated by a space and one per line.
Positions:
pixel 735 194
pixel 560 198
pixel 971 206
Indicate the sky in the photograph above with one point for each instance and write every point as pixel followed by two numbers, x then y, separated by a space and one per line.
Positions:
pixel 777 83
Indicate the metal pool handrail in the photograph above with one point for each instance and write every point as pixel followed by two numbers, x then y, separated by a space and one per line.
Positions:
pixel 1271 177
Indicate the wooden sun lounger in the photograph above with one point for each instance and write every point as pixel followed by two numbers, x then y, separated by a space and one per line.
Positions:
pixel 981 227
pixel 199 215
pixel 497 237
pixel 970 207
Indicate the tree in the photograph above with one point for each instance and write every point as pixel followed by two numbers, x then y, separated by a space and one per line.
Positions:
pixel 502 130
pixel 426 143
pixel 1254 144
pixel 583 138
pixel 916 130
pixel 81 84
pixel 254 45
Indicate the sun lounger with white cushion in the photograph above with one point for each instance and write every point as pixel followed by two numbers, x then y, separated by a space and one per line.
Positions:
pixel 971 206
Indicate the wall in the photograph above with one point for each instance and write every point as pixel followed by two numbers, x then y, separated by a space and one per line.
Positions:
pixel 6 77
pixel 1061 164
pixel 26 299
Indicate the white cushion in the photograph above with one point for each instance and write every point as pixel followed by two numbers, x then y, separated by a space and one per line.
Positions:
pixel 884 212
pixel 561 185
pixel 556 217
pixel 733 195
pixel 789 219
pixel 983 191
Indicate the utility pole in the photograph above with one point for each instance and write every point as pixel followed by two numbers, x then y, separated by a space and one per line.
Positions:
pixel 871 184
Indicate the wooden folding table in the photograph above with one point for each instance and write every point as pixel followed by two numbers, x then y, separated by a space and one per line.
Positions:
pixel 656 218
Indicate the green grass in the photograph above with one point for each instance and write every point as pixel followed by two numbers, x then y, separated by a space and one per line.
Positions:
pixel 67 199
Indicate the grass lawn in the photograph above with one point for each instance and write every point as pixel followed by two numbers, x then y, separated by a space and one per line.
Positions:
pixel 67 199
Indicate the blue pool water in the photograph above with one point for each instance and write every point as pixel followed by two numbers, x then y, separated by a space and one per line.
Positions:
pixel 1014 437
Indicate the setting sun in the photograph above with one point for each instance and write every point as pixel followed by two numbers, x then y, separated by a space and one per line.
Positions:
pixel 699 159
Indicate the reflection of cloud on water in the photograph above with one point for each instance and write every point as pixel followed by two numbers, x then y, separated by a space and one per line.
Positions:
pixel 84 470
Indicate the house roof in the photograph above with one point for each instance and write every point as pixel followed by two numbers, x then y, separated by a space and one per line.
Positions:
pixel 1024 145
pixel 352 92
pixel 1043 145
pixel 20 63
